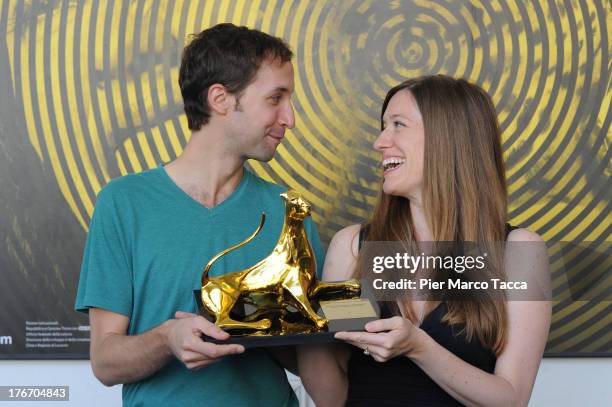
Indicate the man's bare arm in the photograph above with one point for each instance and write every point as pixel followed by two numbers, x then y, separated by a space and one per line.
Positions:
pixel 120 358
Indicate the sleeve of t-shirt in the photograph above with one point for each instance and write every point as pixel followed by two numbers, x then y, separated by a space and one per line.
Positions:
pixel 317 247
pixel 106 276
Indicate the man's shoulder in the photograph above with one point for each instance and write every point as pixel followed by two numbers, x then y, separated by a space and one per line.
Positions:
pixel 265 186
pixel 129 185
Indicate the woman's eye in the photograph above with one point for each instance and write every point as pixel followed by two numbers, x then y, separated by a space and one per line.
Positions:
pixel 398 124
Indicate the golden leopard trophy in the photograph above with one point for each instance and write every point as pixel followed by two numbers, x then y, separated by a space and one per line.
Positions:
pixel 285 280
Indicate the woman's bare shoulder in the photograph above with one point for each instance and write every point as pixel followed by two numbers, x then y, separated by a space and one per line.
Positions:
pixel 342 254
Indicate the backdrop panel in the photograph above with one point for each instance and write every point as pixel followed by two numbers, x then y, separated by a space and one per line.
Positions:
pixel 89 93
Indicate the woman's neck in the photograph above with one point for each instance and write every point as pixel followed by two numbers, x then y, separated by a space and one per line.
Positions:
pixel 419 222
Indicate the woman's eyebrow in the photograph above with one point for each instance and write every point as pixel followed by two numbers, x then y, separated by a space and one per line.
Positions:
pixel 396 115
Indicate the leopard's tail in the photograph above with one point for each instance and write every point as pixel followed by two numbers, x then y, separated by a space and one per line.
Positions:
pixel 224 252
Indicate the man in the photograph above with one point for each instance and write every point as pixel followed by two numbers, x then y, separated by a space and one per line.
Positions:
pixel 153 232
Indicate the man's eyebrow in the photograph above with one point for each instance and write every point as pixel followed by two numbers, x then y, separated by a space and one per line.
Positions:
pixel 281 89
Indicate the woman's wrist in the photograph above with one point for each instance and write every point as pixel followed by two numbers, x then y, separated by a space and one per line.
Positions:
pixel 420 341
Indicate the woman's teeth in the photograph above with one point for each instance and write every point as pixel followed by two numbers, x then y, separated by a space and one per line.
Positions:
pixel 392 162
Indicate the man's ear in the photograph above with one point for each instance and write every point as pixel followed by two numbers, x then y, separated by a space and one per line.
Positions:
pixel 219 99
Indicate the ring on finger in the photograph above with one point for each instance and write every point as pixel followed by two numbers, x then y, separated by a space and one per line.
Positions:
pixel 366 351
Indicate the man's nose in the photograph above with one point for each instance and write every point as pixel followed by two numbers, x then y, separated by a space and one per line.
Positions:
pixel 287 116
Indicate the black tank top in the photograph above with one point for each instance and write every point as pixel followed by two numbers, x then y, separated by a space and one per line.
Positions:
pixel 399 381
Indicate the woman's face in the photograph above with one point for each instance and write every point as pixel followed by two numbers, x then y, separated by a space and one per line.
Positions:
pixel 402 144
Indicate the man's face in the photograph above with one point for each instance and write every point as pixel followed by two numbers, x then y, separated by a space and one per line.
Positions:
pixel 263 112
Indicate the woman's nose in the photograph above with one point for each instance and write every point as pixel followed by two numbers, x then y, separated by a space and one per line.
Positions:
pixel 383 141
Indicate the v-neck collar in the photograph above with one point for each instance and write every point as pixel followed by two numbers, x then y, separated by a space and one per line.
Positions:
pixel 234 196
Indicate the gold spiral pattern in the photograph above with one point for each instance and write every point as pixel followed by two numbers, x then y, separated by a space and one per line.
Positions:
pixel 98 84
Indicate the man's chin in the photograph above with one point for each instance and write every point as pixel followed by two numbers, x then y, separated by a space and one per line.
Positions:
pixel 263 156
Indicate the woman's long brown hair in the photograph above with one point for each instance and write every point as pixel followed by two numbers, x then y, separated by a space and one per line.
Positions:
pixel 464 191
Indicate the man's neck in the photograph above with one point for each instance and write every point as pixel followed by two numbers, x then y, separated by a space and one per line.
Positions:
pixel 205 170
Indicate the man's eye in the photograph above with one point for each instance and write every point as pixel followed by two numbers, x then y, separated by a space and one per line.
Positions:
pixel 275 99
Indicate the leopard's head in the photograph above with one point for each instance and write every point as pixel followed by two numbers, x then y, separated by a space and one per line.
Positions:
pixel 296 206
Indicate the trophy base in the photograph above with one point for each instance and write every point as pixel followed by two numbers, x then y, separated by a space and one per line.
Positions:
pixel 342 315
pixel 266 341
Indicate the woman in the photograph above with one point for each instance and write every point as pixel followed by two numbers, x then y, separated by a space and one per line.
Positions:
pixel 443 181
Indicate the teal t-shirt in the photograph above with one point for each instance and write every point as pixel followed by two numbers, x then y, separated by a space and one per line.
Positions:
pixel 146 249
